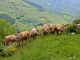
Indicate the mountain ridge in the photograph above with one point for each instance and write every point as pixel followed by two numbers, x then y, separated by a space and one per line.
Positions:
pixel 61 6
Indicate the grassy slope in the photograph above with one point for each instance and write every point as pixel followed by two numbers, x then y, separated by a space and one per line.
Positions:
pixel 50 47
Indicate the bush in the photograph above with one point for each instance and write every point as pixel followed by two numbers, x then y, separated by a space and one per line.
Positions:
pixel 73 28
pixel 77 21
pixel 5 53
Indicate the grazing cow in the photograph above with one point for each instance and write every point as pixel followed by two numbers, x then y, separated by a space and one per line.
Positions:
pixel 10 38
pixel 22 36
pixel 45 29
pixel 58 28
pixel 33 33
pixel 52 28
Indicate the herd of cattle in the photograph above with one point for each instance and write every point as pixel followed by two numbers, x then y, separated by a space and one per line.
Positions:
pixel 25 35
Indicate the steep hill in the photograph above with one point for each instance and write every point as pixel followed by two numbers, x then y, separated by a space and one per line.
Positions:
pixel 29 14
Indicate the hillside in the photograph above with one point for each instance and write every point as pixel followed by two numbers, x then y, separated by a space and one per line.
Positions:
pixel 29 14
pixel 7 18
pixel 50 47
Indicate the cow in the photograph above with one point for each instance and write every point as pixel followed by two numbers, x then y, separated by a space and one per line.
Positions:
pixel 10 38
pixel 52 28
pixel 33 33
pixel 45 29
pixel 22 36
pixel 58 28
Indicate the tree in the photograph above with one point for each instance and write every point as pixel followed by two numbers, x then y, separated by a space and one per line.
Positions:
pixel 5 28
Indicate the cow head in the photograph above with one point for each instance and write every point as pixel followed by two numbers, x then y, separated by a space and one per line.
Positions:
pixel 45 32
pixel 52 31
pixel 18 37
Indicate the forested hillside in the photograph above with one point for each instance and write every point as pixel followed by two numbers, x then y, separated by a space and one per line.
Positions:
pixel 7 18
pixel 29 14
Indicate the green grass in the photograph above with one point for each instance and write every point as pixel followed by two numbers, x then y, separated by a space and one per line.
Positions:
pixel 50 47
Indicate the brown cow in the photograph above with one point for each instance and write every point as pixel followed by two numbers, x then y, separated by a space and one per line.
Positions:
pixel 22 36
pixel 45 29
pixel 33 33
pixel 58 28
pixel 52 28
pixel 10 38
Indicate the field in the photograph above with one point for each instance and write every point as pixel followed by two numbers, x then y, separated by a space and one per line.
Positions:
pixel 50 47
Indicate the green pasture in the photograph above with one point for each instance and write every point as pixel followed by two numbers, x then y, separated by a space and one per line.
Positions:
pixel 50 47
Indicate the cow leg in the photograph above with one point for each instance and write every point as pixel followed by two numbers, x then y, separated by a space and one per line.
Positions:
pixel 44 33
pixel 6 43
pixel 18 42
pixel 28 38
pixel 57 32
pixel 34 36
pixel 22 41
pixel 53 32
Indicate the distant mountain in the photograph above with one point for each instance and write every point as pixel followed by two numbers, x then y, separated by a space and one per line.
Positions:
pixel 70 7
pixel 28 14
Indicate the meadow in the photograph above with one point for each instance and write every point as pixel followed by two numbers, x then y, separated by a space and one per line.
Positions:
pixel 50 47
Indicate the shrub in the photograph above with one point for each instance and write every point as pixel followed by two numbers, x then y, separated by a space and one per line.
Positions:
pixel 77 21
pixel 6 53
pixel 73 28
